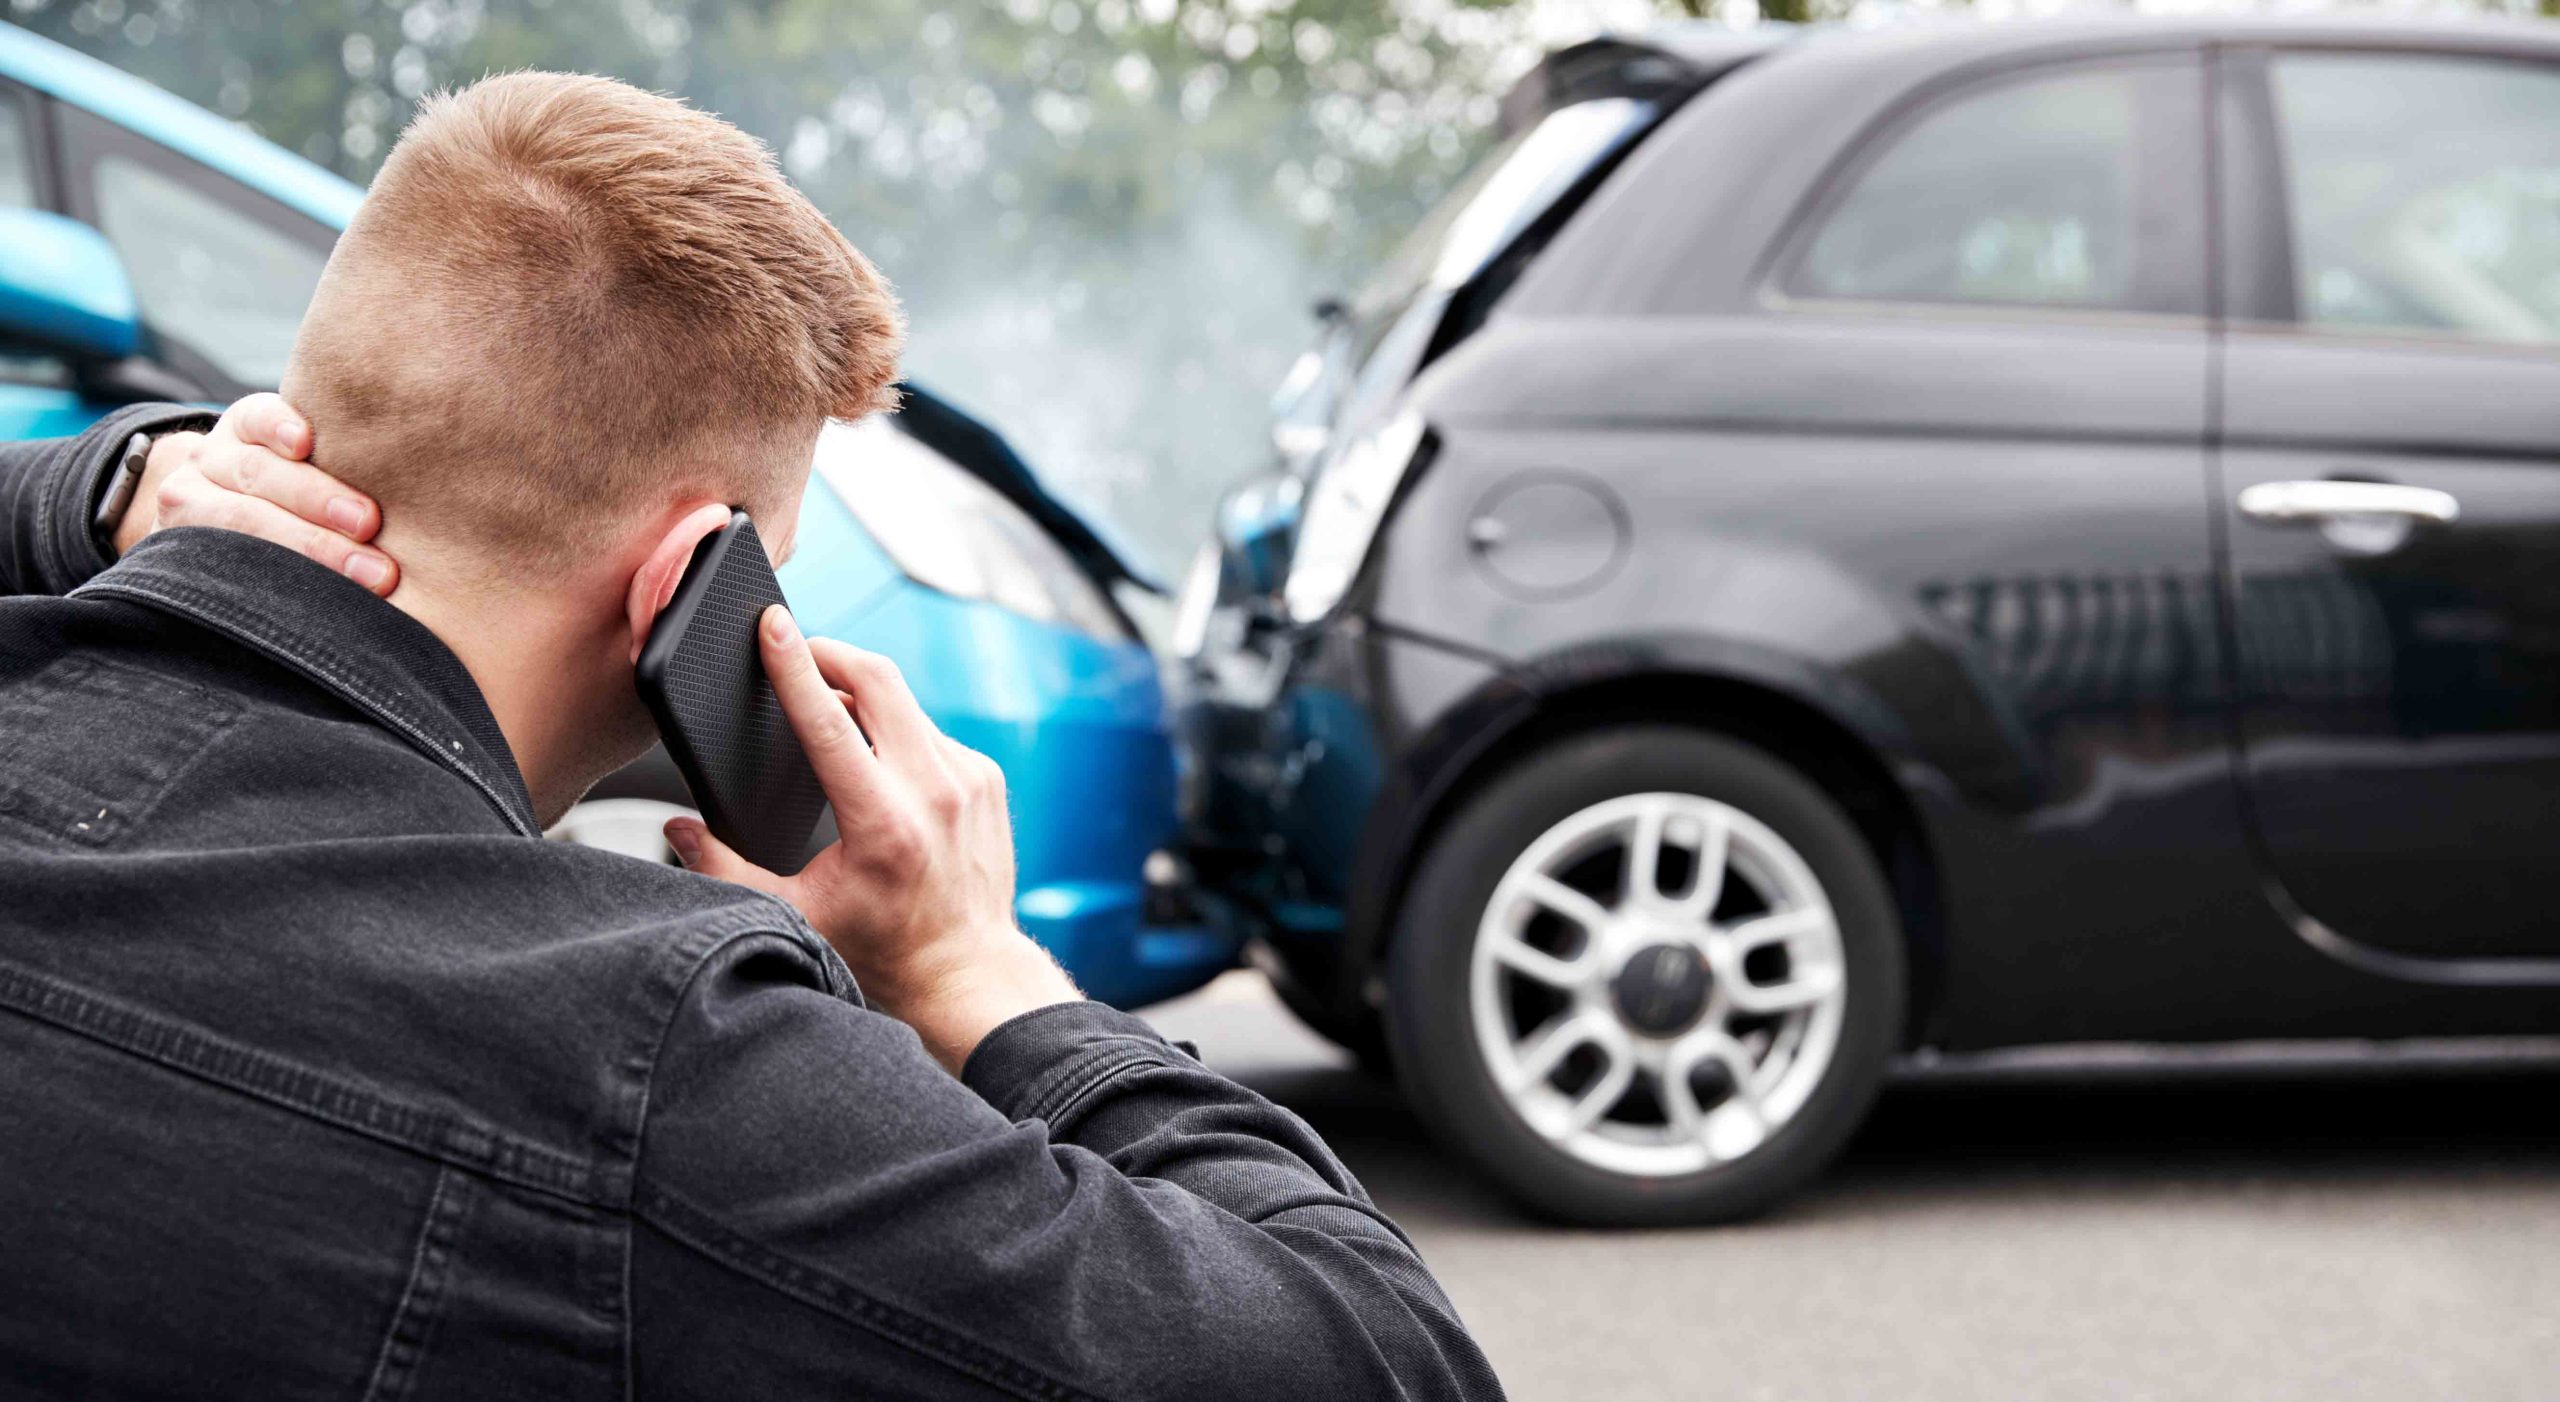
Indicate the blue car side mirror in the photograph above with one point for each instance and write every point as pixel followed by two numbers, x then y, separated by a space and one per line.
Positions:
pixel 63 289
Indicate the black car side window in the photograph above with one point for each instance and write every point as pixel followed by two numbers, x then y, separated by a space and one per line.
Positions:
pixel 2423 193
pixel 2065 188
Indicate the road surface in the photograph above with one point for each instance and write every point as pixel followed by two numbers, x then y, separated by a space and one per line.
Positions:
pixel 2326 1228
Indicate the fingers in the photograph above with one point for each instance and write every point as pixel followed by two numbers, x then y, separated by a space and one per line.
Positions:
pixel 169 452
pixel 881 701
pixel 266 421
pixel 187 498
pixel 975 772
pixel 247 475
pixel 846 768
pixel 300 488
pixel 701 852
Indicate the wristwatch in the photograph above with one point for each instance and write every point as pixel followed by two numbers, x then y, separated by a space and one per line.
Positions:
pixel 123 485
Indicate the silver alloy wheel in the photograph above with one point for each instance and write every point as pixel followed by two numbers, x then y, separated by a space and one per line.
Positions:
pixel 1651 1031
pixel 634 827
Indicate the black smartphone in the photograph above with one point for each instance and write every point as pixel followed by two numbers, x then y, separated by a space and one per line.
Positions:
pixel 702 675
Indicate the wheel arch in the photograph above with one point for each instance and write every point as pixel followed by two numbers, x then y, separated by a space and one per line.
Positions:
pixel 1858 759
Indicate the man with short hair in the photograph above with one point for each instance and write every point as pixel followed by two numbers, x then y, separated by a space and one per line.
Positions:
pixel 321 1074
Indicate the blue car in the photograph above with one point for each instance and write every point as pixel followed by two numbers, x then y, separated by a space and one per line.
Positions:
pixel 151 250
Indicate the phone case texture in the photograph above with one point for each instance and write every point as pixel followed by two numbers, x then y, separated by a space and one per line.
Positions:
pixel 717 711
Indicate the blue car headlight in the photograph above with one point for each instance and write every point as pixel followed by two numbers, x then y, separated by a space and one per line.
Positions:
pixel 947 530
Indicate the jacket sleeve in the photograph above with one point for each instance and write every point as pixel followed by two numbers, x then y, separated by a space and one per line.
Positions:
pixel 49 489
pixel 821 1210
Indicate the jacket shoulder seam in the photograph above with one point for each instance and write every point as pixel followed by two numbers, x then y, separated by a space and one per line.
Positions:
pixel 719 937
pixel 404 1343
pixel 695 957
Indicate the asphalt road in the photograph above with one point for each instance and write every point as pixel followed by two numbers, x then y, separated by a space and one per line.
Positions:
pixel 2341 1227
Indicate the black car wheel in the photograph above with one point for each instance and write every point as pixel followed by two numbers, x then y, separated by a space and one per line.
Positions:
pixel 1647 976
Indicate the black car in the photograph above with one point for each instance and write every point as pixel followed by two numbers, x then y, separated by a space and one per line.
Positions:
pixel 1951 537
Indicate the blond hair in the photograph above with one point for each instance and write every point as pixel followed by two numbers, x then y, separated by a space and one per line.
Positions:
pixel 565 303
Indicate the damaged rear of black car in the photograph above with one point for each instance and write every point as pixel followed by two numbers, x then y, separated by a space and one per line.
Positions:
pixel 1955 537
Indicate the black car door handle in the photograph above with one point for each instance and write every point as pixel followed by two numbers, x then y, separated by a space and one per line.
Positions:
pixel 2288 503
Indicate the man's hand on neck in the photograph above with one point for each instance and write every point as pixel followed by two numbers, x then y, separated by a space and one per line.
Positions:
pixel 250 474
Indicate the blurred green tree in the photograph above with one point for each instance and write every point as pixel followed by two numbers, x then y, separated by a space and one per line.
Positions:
pixel 1107 217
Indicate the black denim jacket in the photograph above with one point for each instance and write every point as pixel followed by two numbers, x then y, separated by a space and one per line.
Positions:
pixel 321 1075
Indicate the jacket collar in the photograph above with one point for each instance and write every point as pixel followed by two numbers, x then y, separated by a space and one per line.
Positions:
pixel 349 643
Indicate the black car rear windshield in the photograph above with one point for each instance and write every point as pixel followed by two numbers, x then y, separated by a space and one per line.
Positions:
pixel 1506 191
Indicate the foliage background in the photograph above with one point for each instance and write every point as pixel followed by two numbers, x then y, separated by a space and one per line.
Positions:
pixel 1107 217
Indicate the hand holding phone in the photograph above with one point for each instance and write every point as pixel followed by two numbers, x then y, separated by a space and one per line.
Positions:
pixel 917 894
pixel 703 677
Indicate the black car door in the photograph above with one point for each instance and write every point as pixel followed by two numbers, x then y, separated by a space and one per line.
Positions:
pixel 2390 475
pixel 1965 391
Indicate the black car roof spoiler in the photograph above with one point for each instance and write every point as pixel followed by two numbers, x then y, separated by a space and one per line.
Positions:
pixel 1670 61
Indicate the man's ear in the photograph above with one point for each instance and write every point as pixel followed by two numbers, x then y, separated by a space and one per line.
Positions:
pixel 655 583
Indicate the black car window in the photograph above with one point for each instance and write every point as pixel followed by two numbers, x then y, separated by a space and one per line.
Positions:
pixel 2023 191
pixel 2423 193
pixel 222 273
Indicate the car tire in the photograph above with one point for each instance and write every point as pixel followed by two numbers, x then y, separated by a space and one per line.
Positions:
pixel 1464 1021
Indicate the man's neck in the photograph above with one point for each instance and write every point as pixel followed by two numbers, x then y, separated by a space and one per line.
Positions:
pixel 540 670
